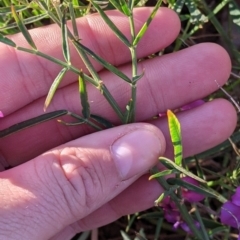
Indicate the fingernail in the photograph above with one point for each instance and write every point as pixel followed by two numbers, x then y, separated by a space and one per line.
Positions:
pixel 135 152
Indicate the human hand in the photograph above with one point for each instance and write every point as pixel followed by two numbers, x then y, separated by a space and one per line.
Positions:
pixel 76 186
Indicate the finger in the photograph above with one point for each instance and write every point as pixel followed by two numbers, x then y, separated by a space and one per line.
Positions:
pixel 199 120
pixel 160 89
pixel 73 180
pixel 137 197
pixel 32 75
pixel 142 193
pixel 203 127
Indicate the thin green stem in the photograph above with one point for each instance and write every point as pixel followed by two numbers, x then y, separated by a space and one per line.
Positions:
pixel 85 121
pixel 134 71
pixel 59 62
pixel 200 221
pixel 96 79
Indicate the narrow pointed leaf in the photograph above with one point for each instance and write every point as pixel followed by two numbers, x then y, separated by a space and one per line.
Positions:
pixel 163 173
pixel 138 77
pixel 171 165
pixel 199 189
pixel 83 96
pixel 54 87
pixel 196 16
pixel 73 18
pixel 7 41
pixel 7 10
pixel 97 82
pixel 65 45
pixel 178 5
pixel 176 138
pixel 125 8
pixel 71 123
pixel 32 122
pixel 113 27
pixel 131 4
pixel 147 23
pixel 23 29
pixel 151 215
pixel 104 63
pixel 234 12
pixel 29 20
pixel 116 5
pixel 102 121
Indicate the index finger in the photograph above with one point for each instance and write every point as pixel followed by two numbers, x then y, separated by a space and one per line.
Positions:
pixel 26 77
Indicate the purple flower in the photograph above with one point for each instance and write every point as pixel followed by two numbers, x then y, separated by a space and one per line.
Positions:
pixel 172 213
pixel 1 114
pixel 230 212
pixel 184 226
pixel 189 195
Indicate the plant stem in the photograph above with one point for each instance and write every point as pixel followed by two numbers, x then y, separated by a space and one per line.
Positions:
pixel 134 71
pixel 182 208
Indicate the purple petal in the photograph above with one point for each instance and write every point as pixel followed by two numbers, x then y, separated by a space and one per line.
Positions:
pixel 236 197
pixel 1 114
pixel 189 195
pixel 186 228
pixel 230 214
pixel 171 215
pixel 176 225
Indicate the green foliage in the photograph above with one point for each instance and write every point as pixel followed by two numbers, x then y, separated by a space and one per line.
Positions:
pixel 196 17
pixel 176 137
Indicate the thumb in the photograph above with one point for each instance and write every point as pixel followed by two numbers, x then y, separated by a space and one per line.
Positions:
pixel 45 195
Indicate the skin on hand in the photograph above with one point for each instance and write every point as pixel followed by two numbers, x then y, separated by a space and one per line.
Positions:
pixel 77 185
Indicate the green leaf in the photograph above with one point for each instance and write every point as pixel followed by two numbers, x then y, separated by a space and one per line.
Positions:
pixel 146 24
pixel 32 122
pixel 7 41
pixel 113 27
pixel 54 87
pixel 124 235
pixel 102 121
pixel 65 46
pixel 138 77
pixel 25 21
pixel 152 215
pixel 163 173
pixel 73 18
pixel 82 120
pixel 196 16
pixel 125 8
pixel 131 4
pixel 199 189
pixel 97 81
pixel 165 194
pixel 177 7
pixel 103 62
pixel 234 12
pixel 84 96
pixel 176 138
pixel 171 165
pixel 7 10
pixel 23 29
pixel 116 5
